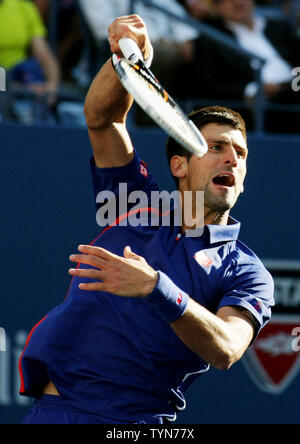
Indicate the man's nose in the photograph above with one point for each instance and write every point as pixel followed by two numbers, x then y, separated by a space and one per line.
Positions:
pixel 231 157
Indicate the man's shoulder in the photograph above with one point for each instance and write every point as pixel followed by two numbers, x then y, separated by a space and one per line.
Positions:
pixel 245 258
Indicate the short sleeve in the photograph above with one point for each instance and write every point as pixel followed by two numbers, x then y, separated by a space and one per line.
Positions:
pixel 250 286
pixel 34 20
pixel 125 188
pixel 135 174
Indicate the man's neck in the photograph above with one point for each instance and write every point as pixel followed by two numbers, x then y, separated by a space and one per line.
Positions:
pixel 196 215
pixel 211 217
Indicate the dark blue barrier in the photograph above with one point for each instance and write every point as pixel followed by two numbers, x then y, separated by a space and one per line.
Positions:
pixel 48 209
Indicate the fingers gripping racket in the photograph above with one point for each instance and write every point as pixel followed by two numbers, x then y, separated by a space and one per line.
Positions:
pixel 146 90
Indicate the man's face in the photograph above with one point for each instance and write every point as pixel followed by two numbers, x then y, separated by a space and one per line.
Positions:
pixel 235 10
pixel 220 173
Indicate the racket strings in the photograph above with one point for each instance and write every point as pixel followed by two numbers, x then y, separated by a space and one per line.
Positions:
pixel 159 107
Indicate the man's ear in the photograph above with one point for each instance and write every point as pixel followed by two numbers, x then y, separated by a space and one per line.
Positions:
pixel 179 166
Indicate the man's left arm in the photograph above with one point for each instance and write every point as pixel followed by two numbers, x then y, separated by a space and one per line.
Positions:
pixel 244 308
pixel 221 339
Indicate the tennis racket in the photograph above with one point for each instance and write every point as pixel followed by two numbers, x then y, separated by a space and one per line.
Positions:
pixel 150 95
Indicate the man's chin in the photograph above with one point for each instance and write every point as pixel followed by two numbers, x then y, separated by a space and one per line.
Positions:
pixel 220 203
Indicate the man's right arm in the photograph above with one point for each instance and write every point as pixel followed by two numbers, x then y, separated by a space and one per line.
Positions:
pixel 107 103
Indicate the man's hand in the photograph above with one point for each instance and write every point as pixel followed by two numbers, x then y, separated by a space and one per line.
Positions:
pixel 129 276
pixel 131 26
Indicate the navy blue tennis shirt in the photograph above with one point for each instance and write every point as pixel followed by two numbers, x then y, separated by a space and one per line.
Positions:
pixel 116 357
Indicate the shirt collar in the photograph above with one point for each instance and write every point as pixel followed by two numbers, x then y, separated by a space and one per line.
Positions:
pixel 224 233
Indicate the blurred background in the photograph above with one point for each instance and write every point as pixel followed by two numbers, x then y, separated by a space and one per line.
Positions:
pixel 236 53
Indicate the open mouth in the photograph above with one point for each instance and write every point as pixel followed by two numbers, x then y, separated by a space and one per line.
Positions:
pixel 224 180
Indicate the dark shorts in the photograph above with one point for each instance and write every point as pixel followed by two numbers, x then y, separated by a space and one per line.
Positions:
pixel 53 410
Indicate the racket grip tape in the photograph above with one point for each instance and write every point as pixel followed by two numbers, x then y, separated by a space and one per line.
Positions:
pixel 132 52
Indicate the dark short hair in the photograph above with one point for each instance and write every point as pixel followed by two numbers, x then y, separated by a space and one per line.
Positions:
pixel 202 117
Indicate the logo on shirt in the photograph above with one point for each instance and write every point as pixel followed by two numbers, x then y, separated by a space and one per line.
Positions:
pixel 257 305
pixel 180 298
pixel 273 361
pixel 203 259
pixel 144 169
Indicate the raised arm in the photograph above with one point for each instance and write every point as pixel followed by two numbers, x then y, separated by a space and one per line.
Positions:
pixel 107 103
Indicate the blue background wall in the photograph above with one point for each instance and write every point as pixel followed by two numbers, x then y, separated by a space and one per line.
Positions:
pixel 47 209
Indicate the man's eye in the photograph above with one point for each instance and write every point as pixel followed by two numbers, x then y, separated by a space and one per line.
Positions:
pixel 216 147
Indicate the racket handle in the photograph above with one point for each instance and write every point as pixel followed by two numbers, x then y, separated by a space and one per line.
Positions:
pixel 130 50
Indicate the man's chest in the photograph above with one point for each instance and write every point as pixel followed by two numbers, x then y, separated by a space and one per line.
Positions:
pixel 191 263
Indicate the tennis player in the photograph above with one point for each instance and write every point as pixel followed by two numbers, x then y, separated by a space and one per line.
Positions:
pixel 149 308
